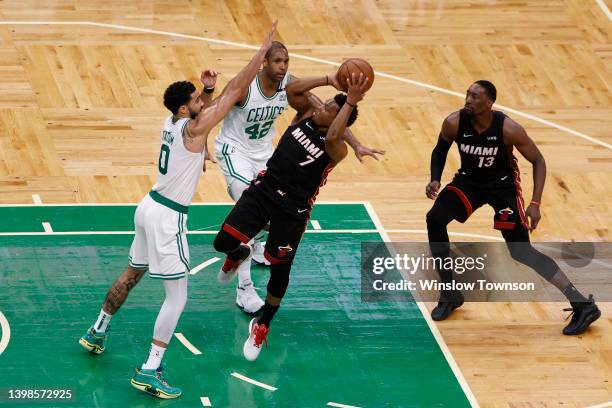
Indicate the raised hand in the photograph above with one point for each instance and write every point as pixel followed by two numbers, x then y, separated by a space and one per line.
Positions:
pixel 208 78
pixel 332 79
pixel 270 36
pixel 356 88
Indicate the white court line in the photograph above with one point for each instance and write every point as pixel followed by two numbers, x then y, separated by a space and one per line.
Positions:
pixel 187 344
pixel 212 204
pixel 305 57
pixel 315 224
pixel 47 227
pixel 432 327
pixel 6 333
pixel 602 5
pixel 335 404
pixel 338 231
pixel 257 383
pixel 36 199
pixel 602 405
pixel 204 265
pixel 205 401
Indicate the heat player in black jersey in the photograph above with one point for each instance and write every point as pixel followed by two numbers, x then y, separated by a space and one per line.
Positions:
pixel 283 195
pixel 489 175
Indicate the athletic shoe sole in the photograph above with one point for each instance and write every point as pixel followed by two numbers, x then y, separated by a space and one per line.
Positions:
pixel 92 348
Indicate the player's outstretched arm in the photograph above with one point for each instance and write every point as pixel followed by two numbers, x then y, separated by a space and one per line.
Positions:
pixel 439 153
pixel 360 150
pixel 334 142
pixel 220 106
pixel 515 135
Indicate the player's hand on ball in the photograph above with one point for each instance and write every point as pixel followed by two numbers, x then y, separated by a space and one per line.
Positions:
pixel 533 216
pixel 356 88
pixel 209 78
pixel 332 79
pixel 431 191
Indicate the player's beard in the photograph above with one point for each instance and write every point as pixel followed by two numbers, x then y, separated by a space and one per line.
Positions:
pixel 468 111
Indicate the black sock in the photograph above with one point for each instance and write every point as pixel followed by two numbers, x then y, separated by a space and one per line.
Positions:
pixel 573 295
pixel 268 314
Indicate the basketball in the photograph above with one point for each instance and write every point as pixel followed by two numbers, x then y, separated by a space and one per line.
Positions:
pixel 356 66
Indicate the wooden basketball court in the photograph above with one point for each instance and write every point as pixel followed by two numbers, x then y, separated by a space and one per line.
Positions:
pixel 80 112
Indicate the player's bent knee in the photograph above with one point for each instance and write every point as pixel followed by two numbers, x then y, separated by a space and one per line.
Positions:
pixel 435 219
pixel 526 254
pixel 224 242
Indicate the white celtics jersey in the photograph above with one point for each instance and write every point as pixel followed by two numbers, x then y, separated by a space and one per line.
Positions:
pixel 250 127
pixel 179 169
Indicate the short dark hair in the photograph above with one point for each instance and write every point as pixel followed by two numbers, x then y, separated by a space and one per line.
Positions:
pixel 276 45
pixel 490 89
pixel 341 100
pixel 177 95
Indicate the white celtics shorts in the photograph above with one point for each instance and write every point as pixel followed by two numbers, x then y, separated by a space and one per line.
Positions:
pixel 160 243
pixel 238 166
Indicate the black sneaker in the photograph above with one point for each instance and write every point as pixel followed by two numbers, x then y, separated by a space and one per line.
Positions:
pixel 449 301
pixel 583 314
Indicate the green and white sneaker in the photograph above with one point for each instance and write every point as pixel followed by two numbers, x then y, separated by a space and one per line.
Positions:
pixel 151 382
pixel 93 341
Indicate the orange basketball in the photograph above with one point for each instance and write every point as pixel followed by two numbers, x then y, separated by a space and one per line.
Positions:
pixel 356 66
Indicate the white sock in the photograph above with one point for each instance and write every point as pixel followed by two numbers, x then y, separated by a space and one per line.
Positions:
pixel 102 322
pixel 155 357
pixel 244 274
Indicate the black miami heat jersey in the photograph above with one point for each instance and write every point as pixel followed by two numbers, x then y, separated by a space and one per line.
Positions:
pixel 484 156
pixel 299 165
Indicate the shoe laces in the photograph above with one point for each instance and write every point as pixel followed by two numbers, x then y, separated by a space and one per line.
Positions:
pixel 576 307
pixel 158 373
pixel 260 331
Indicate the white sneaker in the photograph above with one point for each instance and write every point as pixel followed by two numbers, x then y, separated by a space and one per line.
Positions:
pixel 258 254
pixel 248 300
pixel 252 345
pixel 230 268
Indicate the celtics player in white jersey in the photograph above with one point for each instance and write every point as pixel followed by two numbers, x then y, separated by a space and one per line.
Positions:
pixel 244 146
pixel 160 243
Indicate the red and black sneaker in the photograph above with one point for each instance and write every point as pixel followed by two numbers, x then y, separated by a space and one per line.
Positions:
pixel 257 336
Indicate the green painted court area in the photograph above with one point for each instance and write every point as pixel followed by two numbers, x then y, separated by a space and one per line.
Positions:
pixel 325 344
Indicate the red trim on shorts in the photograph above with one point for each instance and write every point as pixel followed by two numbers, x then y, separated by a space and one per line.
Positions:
pixel 273 260
pixel 504 225
pixel 235 233
pixel 516 175
pixel 312 199
pixel 464 199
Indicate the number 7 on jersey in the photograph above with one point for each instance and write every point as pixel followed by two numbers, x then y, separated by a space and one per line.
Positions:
pixel 309 159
